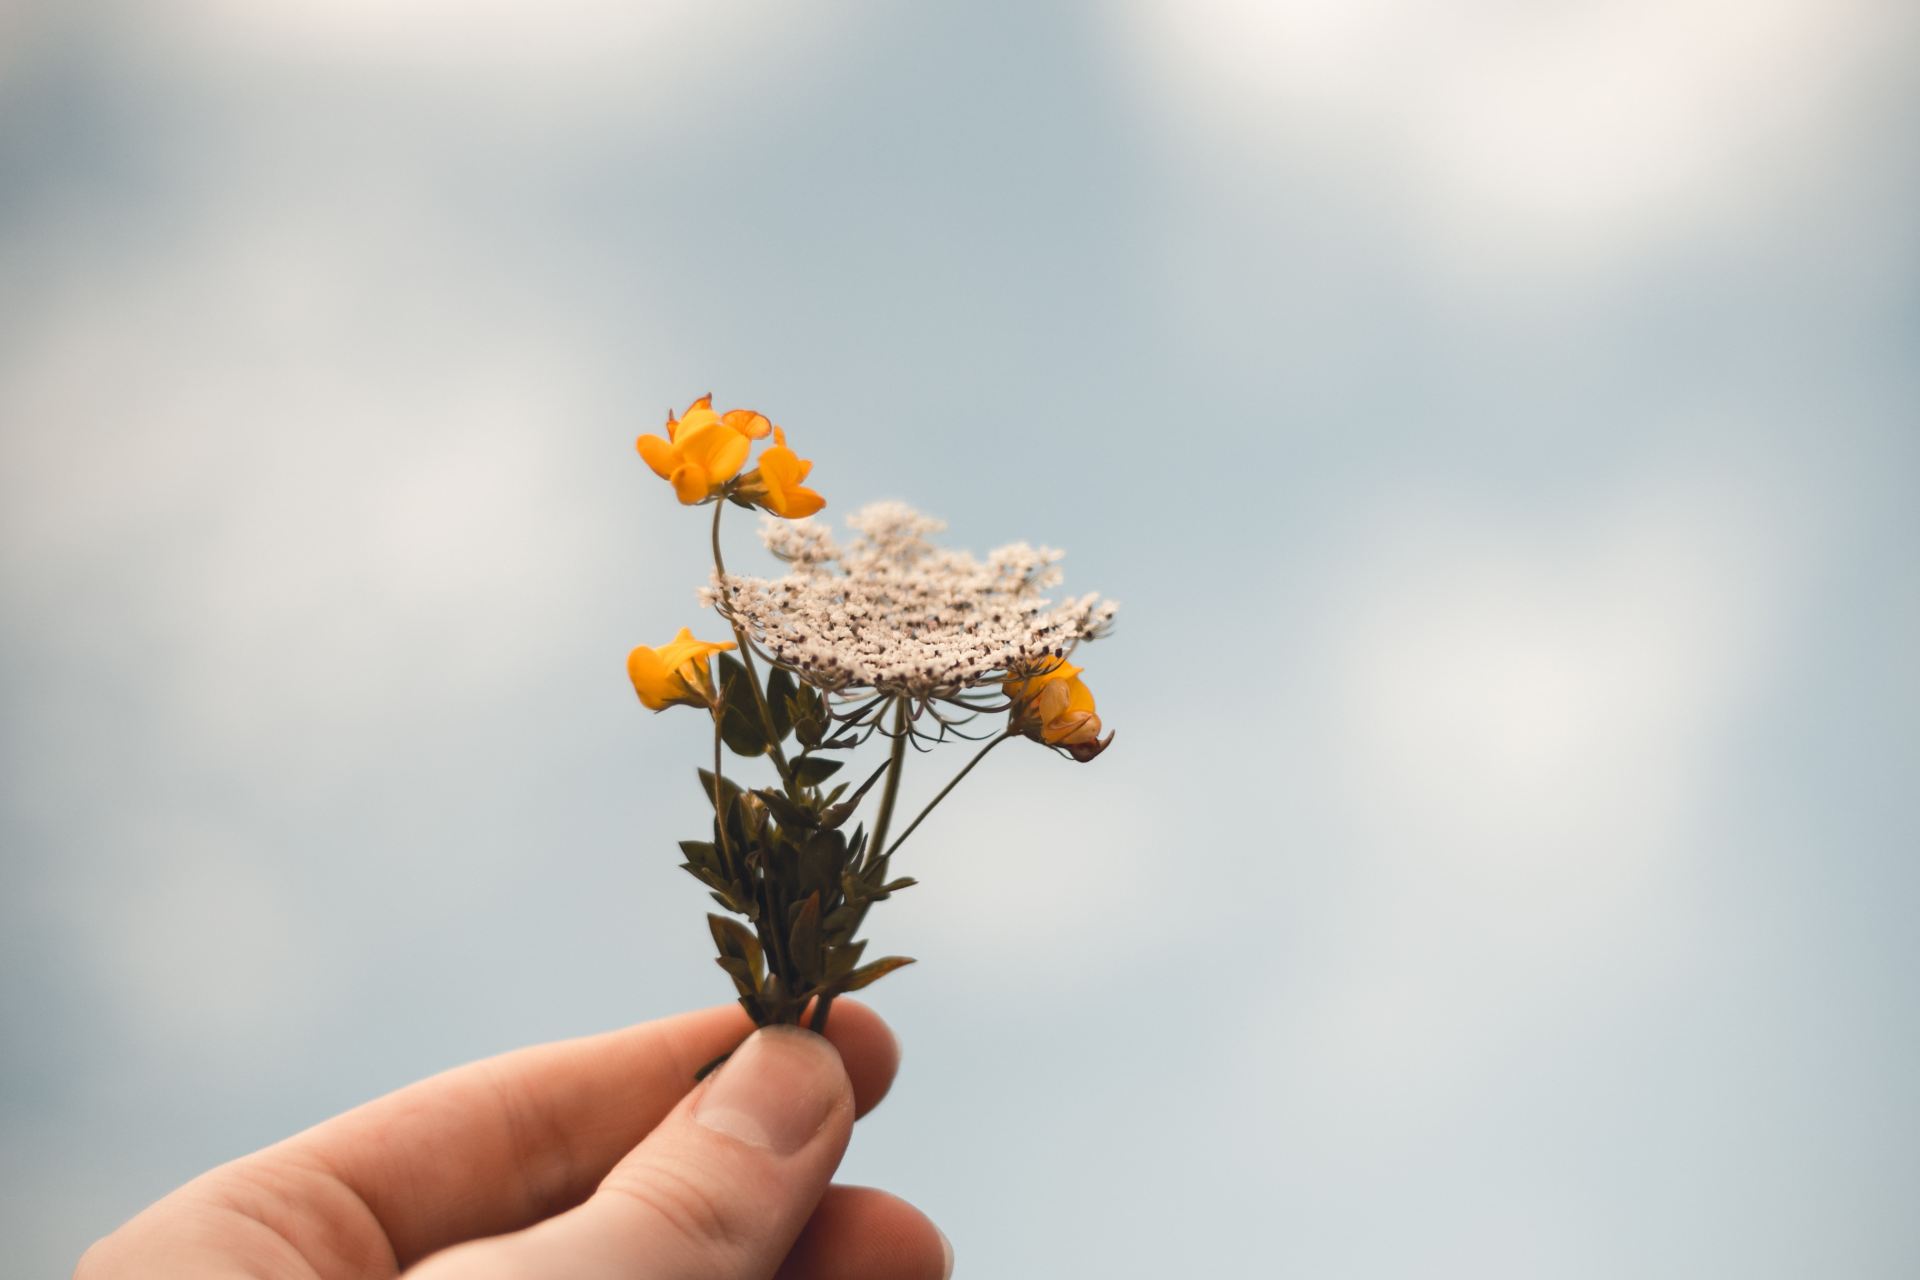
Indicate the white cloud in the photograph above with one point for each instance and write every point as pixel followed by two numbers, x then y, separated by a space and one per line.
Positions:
pixel 289 511
pixel 305 494
pixel 1520 134
pixel 1544 705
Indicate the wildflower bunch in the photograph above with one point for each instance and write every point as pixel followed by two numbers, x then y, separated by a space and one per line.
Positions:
pixel 889 635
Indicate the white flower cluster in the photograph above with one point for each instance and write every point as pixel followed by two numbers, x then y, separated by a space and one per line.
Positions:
pixel 892 614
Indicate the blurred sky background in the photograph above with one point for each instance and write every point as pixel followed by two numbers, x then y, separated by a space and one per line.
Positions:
pixel 1500 422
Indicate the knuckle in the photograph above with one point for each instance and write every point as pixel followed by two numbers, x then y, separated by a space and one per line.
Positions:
pixel 685 1206
pixel 543 1149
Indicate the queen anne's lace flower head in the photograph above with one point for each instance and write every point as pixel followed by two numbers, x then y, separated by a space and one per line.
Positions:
pixel 893 616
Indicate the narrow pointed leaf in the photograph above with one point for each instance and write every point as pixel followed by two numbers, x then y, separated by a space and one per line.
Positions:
pixel 814 770
pixel 789 813
pixel 867 975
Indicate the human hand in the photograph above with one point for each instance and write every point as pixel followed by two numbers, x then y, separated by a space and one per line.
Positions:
pixel 585 1158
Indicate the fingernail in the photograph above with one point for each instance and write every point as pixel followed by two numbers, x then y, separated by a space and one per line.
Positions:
pixel 775 1091
pixel 946 1247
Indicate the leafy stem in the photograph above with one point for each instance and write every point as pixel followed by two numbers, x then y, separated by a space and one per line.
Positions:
pixel 719 806
pixel 746 657
pixel 820 1007
pixel 896 764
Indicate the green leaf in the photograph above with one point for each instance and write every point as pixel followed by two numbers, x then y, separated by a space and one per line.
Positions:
pixel 726 893
pixel 814 770
pixel 836 814
pixel 779 695
pixel 789 812
pixel 740 730
pixel 736 941
pixel 740 726
pixel 753 820
pixel 830 847
pixel 873 872
pixel 729 791
pixel 741 972
pixel 843 959
pixel 730 799
pixel 732 670
pixel 867 975
pixel 804 938
pixel 807 713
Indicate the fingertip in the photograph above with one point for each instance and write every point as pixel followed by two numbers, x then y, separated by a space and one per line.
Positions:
pixel 869 1049
pixel 861 1233
pixel 777 1091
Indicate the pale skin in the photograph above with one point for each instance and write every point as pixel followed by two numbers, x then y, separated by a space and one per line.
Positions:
pixel 588 1158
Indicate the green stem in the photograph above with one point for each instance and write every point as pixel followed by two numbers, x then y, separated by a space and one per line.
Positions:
pixel 977 758
pixel 896 764
pixel 773 941
pixel 746 658
pixel 719 813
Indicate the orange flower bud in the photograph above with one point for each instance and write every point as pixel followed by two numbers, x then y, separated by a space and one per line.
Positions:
pixel 775 485
pixel 679 673
pixel 1053 706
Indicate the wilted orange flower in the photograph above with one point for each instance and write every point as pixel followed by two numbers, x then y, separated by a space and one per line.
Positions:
pixel 703 449
pixel 775 485
pixel 1053 706
pixel 679 673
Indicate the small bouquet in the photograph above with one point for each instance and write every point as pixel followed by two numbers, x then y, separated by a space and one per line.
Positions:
pixel 888 636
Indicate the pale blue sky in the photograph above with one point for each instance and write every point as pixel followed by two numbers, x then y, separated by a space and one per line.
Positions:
pixel 1498 422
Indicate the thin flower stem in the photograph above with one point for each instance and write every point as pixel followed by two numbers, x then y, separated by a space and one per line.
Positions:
pixel 819 1024
pixel 977 758
pixel 719 813
pixel 746 658
pixel 896 764
pixel 773 941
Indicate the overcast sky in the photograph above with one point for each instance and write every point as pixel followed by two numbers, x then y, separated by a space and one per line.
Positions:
pixel 1497 421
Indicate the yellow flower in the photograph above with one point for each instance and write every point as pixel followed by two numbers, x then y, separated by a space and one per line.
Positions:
pixel 775 485
pixel 676 674
pixel 1053 706
pixel 702 450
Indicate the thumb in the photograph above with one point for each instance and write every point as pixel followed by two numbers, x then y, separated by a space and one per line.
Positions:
pixel 719 1189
